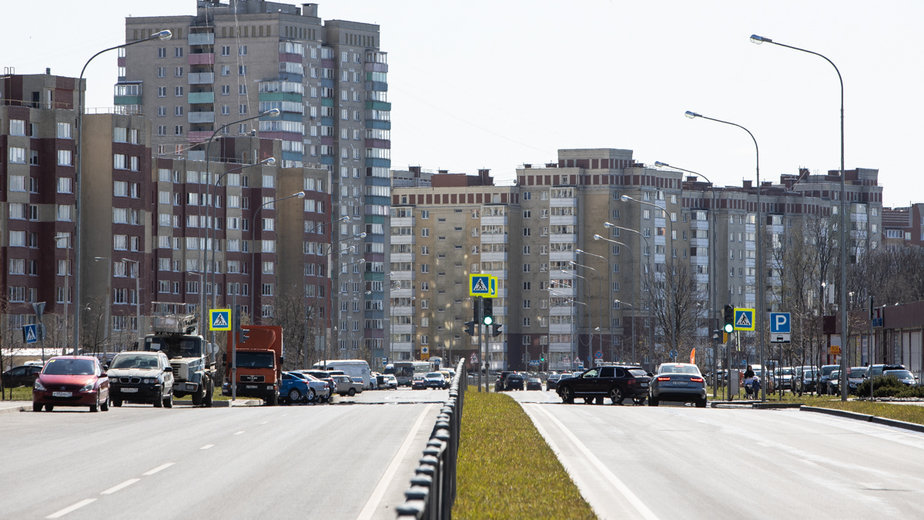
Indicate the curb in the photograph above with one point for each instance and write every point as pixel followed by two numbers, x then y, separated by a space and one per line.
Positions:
pixel 868 418
pixel 19 406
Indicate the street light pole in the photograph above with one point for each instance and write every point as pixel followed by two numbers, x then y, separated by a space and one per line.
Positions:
pixel 843 205
pixel 253 249
pixel 712 269
pixel 761 304
pixel 78 175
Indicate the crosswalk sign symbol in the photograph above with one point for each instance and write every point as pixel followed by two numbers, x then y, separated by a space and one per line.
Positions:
pixel 220 319
pixel 744 319
pixel 30 333
pixel 479 285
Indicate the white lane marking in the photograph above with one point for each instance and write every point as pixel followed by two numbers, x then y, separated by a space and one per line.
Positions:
pixel 118 487
pixel 264 422
pixel 239 433
pixel 72 508
pixel 373 503
pixel 207 446
pixel 158 469
pixel 630 497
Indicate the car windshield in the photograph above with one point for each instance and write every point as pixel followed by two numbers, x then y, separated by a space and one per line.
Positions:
pixel 857 372
pixel 134 361
pixel 247 359
pixel 83 367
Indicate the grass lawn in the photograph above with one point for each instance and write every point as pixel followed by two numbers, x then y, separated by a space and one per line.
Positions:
pixel 506 470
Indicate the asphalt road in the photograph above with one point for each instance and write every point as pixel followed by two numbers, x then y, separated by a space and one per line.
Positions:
pixel 678 461
pixel 350 460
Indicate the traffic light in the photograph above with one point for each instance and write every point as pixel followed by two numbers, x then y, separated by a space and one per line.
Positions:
pixel 496 329
pixel 729 316
pixel 488 306
pixel 470 328
pixel 244 335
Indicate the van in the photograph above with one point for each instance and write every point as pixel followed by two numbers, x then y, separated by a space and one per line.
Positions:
pixel 351 367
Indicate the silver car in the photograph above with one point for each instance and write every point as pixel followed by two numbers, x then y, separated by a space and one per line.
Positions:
pixel 141 377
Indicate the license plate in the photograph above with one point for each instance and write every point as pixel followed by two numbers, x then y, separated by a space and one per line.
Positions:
pixel 250 387
pixel 129 390
pixel 62 394
pixel 644 385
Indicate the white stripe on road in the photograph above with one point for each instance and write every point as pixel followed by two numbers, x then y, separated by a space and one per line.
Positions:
pixel 158 469
pixel 74 507
pixel 373 503
pixel 604 472
pixel 117 487
pixel 239 433
pixel 207 446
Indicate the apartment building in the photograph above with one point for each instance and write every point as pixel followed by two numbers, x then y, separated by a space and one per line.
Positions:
pixel 231 62
pixel 158 234
pixel 593 244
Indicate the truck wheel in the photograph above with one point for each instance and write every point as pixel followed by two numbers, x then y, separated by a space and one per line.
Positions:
pixel 209 391
pixel 198 396
pixel 273 400
pixel 159 398
pixel 168 401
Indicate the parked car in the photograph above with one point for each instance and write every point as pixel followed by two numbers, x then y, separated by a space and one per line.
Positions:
pixel 855 376
pixel 419 382
pixel 806 378
pixel 677 382
pixel 141 377
pixel 514 381
pixel 436 380
pixel 391 382
pixel 358 384
pixel 294 389
pixel 534 383
pixel 824 374
pixel 24 375
pixel 903 376
pixel 318 390
pixel 617 382
pixel 783 377
pixel 877 370
pixel 344 385
pixel 71 381
pixel 551 382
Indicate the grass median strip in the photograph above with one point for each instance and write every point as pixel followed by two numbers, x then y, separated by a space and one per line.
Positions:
pixel 506 470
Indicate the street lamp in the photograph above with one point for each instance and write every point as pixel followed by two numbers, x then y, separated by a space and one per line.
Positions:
pixel 253 250
pixel 273 112
pixel 843 232
pixel 762 308
pixel 712 263
pixel 269 161
pixel 610 225
pixel 78 175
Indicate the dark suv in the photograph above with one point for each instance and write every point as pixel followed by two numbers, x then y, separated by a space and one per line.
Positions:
pixel 514 381
pixel 616 382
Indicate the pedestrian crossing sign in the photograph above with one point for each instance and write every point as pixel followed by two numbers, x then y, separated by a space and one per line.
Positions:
pixel 483 285
pixel 220 319
pixel 30 333
pixel 744 319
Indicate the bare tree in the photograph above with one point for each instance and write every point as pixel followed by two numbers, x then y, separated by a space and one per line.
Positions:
pixel 300 326
pixel 674 305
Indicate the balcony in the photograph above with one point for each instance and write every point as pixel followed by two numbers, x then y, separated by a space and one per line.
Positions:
pixel 196 98
pixel 201 78
pixel 202 117
pixel 203 58
pixel 201 38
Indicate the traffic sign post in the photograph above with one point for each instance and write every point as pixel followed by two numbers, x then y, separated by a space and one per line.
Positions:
pixel 744 319
pixel 220 319
pixel 780 327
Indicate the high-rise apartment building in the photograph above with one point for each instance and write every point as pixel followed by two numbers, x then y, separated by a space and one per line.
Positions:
pixel 228 64
pixel 590 249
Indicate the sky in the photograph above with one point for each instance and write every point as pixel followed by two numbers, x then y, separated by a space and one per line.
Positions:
pixel 498 84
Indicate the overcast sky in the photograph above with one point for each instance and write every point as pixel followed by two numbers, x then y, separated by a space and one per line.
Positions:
pixel 499 83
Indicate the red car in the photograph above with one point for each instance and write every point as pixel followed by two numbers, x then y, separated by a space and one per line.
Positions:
pixel 71 381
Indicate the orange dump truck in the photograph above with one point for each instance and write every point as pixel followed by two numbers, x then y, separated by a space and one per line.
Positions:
pixel 258 363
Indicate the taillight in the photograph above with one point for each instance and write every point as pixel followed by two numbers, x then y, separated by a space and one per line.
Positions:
pixel 697 379
pixel 664 378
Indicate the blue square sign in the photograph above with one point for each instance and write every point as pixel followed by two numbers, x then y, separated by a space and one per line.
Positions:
pixel 780 323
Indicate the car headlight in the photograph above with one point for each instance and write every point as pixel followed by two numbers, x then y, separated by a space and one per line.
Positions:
pixel 39 386
pixel 88 387
pixel 149 380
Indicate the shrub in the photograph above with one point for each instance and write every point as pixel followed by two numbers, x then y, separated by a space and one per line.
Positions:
pixel 889 386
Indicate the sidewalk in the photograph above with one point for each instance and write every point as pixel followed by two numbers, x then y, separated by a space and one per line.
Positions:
pixel 15 406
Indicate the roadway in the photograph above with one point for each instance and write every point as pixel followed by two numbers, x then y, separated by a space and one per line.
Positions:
pixel 684 462
pixel 351 459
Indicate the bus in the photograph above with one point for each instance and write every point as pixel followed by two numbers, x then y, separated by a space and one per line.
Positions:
pixel 405 371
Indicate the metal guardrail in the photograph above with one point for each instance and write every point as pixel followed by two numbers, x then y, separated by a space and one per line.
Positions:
pixel 433 486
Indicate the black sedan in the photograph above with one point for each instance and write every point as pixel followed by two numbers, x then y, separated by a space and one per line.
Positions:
pixel 20 376
pixel 534 383
pixel 514 381
pixel 677 382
